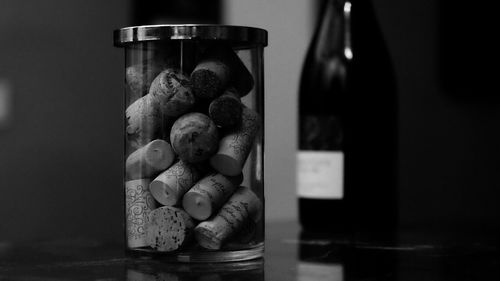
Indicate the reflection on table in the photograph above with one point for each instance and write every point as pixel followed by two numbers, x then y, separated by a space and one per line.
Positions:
pixel 156 270
pixel 289 255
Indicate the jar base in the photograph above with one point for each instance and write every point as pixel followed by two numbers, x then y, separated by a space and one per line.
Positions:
pixel 255 252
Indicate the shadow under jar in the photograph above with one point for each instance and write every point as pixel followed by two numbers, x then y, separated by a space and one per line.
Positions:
pixel 193 171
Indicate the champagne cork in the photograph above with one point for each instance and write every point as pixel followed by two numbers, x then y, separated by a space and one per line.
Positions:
pixel 219 68
pixel 209 194
pixel 143 122
pixel 243 205
pixel 169 187
pixel 168 228
pixel 235 146
pixel 194 137
pixel 138 203
pixel 226 110
pixel 171 91
pixel 149 160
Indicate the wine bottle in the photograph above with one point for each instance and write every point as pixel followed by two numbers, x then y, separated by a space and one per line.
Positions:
pixel 346 162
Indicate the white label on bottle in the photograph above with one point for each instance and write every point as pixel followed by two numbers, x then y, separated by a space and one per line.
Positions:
pixel 320 174
pixel 320 271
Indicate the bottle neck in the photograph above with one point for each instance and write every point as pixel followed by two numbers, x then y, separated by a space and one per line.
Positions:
pixel 333 30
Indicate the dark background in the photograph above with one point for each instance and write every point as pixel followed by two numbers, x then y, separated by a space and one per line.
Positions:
pixel 449 112
pixel 60 156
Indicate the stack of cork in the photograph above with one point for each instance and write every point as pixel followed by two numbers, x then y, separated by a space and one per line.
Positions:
pixel 191 136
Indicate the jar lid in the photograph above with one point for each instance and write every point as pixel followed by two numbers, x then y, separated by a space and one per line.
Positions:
pixel 237 35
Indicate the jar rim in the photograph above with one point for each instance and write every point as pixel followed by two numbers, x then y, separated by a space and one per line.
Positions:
pixel 242 36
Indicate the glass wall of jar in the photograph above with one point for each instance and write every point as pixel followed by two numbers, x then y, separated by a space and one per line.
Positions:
pixel 193 169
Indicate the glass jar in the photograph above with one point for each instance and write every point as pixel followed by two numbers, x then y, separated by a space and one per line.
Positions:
pixel 250 270
pixel 193 169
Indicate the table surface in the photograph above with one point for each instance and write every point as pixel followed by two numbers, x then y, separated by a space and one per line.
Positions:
pixel 289 255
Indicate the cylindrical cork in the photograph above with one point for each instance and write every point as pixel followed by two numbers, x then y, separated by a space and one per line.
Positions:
pixel 194 137
pixel 242 205
pixel 169 187
pixel 149 160
pixel 170 95
pixel 235 146
pixel 139 77
pixel 219 68
pixel 246 233
pixel 138 204
pixel 226 110
pixel 209 78
pixel 143 122
pixel 168 228
pixel 209 194
pixel 172 91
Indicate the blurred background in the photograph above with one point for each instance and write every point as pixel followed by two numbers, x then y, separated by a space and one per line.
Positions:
pixel 61 109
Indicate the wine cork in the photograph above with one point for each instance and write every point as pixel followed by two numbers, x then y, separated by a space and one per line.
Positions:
pixel 245 234
pixel 168 228
pixel 149 160
pixel 201 106
pixel 209 78
pixel 209 194
pixel 171 91
pixel 143 121
pixel 169 187
pixel 138 204
pixel 226 110
pixel 138 77
pixel 243 205
pixel 194 137
pixel 235 146
pixel 219 68
pixel 170 95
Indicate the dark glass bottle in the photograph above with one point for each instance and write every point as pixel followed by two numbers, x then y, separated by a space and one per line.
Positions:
pixel 347 124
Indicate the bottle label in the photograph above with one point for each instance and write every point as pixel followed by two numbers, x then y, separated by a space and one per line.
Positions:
pixel 320 174
pixel 320 271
